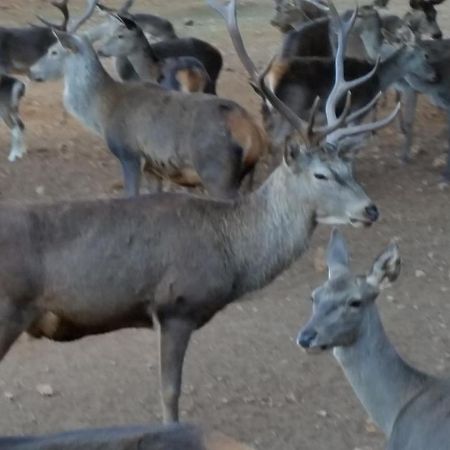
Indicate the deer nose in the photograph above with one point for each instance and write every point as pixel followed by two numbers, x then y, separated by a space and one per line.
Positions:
pixel 437 35
pixel 372 213
pixel 306 337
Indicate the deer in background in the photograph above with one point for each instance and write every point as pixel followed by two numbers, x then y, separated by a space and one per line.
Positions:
pixel 19 49
pixel 148 122
pixel 127 41
pixel 291 14
pixel 299 81
pixel 411 407
pixel 22 47
pixel 173 261
pixel 169 437
pixel 11 92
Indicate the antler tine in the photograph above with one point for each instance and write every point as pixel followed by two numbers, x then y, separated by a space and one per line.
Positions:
pixel 366 127
pixel 87 14
pixel 126 6
pixel 360 112
pixel 61 6
pixel 318 5
pixel 228 12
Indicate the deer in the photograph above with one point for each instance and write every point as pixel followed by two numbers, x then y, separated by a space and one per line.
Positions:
pixel 411 407
pixel 172 261
pixel 316 38
pixel 298 81
pixel 127 42
pixel 146 121
pixel 168 437
pixel 438 93
pixel 291 14
pixel 127 34
pixel 22 47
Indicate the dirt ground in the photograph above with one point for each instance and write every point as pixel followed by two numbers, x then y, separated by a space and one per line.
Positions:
pixel 243 374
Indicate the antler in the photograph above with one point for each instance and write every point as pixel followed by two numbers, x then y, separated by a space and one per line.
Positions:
pixel 90 8
pixel 332 132
pixel 61 6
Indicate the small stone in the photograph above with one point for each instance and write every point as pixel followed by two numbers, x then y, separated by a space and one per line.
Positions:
pixel 322 413
pixel 45 390
pixel 440 161
pixel 188 22
pixel 370 427
pixel 390 298
pixel 9 396
pixel 40 190
pixel 291 398
pixel 419 273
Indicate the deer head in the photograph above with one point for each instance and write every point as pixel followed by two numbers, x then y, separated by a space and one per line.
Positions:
pixel 342 302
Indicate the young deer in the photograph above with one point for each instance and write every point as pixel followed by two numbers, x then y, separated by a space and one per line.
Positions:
pixel 162 127
pixel 127 42
pixel 169 437
pixel 137 58
pixel 411 407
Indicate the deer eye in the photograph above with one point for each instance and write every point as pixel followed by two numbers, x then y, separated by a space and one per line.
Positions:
pixel 54 52
pixel 120 36
pixel 320 176
pixel 355 304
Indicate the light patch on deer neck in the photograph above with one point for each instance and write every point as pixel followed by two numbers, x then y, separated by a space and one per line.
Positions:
pixel 88 88
pixel 381 379
pixel 270 228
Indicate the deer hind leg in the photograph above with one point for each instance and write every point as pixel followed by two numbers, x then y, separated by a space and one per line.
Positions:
pixel 17 127
pixel 174 335
pixel 408 116
pixel 14 319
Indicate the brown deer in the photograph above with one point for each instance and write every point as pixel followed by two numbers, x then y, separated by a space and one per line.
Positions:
pixel 173 261
pixel 196 140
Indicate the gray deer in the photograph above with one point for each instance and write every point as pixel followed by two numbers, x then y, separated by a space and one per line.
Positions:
pixel 411 407
pixel 169 437
pixel 171 260
pixel 191 140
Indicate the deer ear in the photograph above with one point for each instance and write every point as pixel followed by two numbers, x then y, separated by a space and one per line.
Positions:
pixel 67 41
pixel 128 22
pixel 337 255
pixel 386 266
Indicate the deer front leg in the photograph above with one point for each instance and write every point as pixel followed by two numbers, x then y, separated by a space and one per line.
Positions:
pixel 17 127
pixel 174 335
pixel 14 320
pixel 410 104
pixel 130 162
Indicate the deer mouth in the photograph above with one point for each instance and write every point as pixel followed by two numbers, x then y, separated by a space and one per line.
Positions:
pixel 358 223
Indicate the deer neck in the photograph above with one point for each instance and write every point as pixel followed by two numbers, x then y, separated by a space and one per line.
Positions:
pixel 394 68
pixel 145 62
pixel 271 227
pixel 87 88
pixel 381 379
